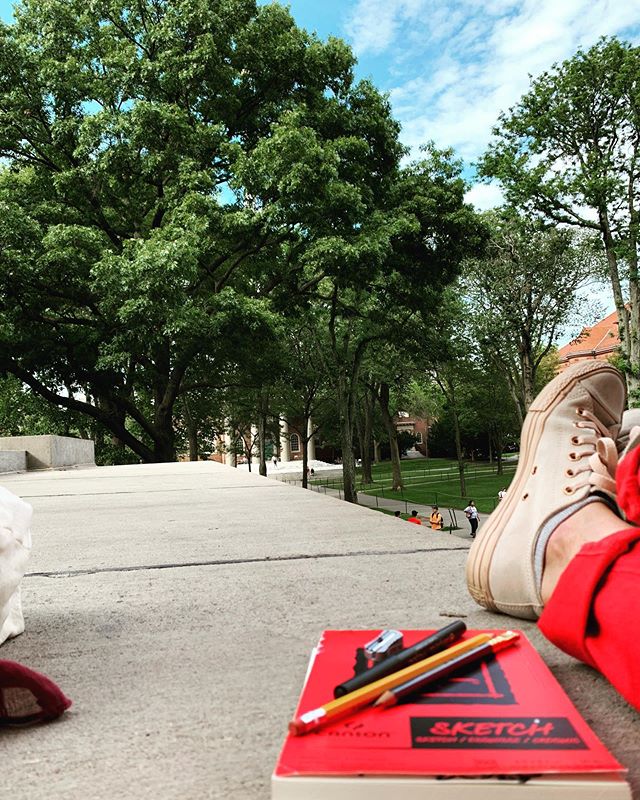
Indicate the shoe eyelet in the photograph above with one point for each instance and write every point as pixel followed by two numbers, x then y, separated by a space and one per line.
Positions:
pixel 573 456
pixel 569 473
pixel 568 490
pixel 580 411
pixel 575 440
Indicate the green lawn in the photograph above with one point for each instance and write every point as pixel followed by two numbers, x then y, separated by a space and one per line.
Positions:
pixel 435 481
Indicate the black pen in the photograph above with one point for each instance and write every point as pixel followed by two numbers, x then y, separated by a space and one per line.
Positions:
pixel 423 649
pixel 488 649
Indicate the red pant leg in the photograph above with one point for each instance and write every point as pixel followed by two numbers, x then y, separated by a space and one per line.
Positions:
pixel 593 612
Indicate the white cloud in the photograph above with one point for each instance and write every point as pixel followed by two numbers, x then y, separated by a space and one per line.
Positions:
pixel 465 61
pixel 484 196
pixel 374 24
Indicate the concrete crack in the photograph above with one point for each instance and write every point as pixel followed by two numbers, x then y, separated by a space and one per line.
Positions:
pixel 223 562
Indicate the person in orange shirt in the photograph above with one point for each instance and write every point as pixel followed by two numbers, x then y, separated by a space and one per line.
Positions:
pixel 414 518
pixel 436 519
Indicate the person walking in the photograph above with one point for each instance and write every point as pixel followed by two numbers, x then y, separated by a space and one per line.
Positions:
pixel 414 518
pixel 472 515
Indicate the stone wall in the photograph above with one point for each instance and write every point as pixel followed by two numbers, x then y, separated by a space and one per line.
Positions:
pixel 13 460
pixel 50 452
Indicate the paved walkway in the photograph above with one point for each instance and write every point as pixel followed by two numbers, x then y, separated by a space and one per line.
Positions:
pixel 451 516
pixel 177 604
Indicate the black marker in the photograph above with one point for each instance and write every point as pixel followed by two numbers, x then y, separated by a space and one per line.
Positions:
pixel 422 649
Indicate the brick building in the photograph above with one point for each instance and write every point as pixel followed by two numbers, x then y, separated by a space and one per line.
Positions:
pixel 416 427
pixel 600 341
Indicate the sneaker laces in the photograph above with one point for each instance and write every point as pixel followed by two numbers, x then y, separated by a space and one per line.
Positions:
pixel 599 468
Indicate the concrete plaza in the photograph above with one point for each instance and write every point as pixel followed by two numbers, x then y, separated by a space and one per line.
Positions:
pixel 176 604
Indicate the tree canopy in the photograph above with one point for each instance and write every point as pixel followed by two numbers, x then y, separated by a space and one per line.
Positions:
pixel 523 293
pixel 569 150
pixel 140 237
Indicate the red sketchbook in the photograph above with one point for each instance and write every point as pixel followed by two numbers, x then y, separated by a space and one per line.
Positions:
pixel 507 720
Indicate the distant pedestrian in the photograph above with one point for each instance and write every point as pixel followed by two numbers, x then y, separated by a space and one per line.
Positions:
pixel 275 461
pixel 502 493
pixel 472 515
pixel 436 519
pixel 415 518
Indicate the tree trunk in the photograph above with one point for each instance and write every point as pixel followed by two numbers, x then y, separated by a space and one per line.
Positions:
pixel 261 425
pixel 262 432
pixel 628 321
pixel 450 394
pixel 360 429
pixel 305 461
pixel 248 451
pixel 192 431
pixel 367 436
pixel 497 440
pixel 633 376
pixel 459 456
pixel 392 433
pixel 528 377
pixel 348 462
pixel 346 442
pixel 164 449
pixel 633 380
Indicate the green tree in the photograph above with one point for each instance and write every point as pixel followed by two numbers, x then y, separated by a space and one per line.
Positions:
pixel 448 353
pixel 570 150
pixel 367 424
pixel 402 249
pixel 523 293
pixel 135 261
pixel 301 394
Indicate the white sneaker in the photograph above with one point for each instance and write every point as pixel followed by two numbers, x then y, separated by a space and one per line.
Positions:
pixel 567 455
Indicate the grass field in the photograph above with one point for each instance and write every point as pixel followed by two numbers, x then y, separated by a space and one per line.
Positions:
pixel 435 481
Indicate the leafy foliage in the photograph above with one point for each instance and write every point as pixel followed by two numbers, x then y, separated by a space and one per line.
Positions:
pixel 569 150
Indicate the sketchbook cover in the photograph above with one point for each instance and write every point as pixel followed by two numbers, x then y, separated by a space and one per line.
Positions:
pixel 509 716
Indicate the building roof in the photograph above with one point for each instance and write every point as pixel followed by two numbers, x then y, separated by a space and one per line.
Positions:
pixel 599 340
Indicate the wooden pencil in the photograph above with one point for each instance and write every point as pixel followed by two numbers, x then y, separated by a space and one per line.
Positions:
pixel 348 703
pixel 393 696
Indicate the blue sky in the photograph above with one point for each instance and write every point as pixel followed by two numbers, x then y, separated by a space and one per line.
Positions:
pixel 451 66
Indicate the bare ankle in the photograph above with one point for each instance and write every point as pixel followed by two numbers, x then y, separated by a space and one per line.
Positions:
pixel 591 523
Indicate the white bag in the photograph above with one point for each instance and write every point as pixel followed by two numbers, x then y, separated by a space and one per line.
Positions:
pixel 15 547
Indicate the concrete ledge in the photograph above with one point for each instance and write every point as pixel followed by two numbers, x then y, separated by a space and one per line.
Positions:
pixel 46 452
pixel 157 590
pixel 13 460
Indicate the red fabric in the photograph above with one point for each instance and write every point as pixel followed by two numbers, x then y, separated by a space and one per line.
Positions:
pixel 27 696
pixel 415 520
pixel 589 613
pixel 628 485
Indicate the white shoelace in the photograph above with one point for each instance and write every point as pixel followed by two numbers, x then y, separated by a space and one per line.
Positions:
pixel 598 464
pixel 595 467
